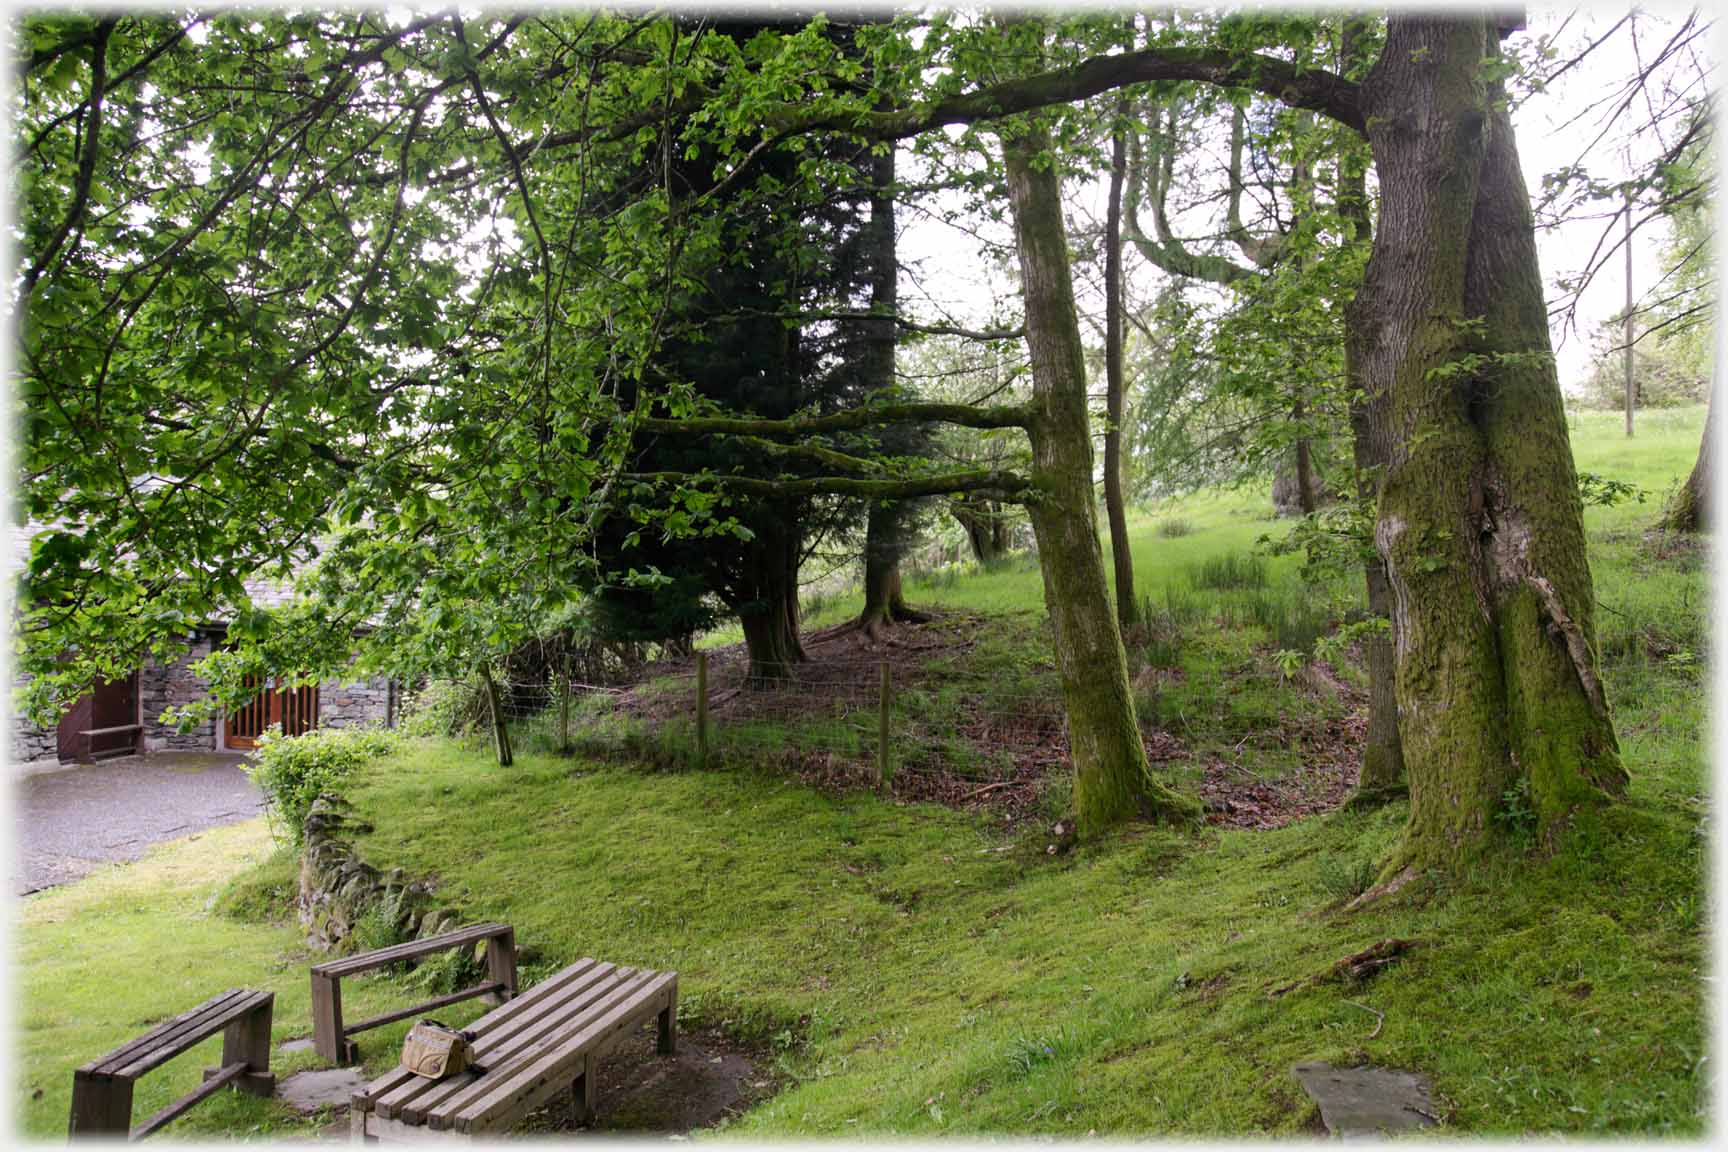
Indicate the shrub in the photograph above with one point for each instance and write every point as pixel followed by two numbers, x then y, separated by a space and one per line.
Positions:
pixel 293 770
pixel 443 708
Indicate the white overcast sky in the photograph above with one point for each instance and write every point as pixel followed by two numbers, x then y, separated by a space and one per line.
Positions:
pixel 949 273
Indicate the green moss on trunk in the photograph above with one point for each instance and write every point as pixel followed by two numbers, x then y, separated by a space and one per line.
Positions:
pixel 1112 780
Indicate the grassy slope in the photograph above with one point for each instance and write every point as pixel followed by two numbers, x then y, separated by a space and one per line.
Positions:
pixel 935 982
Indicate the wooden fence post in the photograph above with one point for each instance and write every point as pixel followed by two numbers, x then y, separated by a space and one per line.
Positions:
pixel 701 709
pixel 884 762
pixel 564 712
pixel 500 733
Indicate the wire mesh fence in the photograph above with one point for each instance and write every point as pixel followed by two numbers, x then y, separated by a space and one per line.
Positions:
pixel 867 724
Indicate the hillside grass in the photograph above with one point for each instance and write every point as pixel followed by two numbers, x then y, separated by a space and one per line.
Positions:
pixel 916 970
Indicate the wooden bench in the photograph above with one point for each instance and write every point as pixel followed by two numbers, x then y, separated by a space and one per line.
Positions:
pixel 544 1042
pixel 102 1089
pixel 330 1035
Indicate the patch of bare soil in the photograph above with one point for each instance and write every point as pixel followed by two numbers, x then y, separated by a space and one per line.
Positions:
pixel 708 1081
pixel 983 748
pixel 843 660
pixel 1330 748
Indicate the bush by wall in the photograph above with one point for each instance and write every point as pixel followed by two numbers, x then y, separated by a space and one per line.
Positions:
pixel 292 770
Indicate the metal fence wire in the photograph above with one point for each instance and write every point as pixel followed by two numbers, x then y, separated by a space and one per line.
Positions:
pixel 918 735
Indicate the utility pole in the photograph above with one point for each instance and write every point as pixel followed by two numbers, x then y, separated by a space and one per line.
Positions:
pixel 1631 387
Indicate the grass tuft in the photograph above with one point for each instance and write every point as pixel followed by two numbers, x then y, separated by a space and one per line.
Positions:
pixel 1230 570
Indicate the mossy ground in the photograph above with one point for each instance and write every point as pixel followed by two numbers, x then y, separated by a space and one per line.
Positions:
pixel 920 970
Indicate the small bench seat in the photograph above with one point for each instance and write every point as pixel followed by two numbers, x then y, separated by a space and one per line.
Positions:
pixel 545 1041
pixel 102 1089
pixel 330 1036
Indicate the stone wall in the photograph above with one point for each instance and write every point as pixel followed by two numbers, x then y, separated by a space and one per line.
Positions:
pixel 346 705
pixel 338 889
pixel 30 742
pixel 176 685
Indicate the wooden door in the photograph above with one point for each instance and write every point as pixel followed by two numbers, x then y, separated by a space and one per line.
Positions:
pixel 295 709
pixel 103 722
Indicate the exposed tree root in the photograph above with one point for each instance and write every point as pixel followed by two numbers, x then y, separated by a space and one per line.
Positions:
pixel 1356 968
pixel 1385 888
pixel 1364 799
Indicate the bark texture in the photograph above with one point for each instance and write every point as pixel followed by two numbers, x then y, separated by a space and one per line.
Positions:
pixel 1479 524
pixel 1115 385
pixel 884 533
pixel 985 524
pixel 1691 509
pixel 1112 780
pixel 884 546
pixel 1382 775
pixel 770 617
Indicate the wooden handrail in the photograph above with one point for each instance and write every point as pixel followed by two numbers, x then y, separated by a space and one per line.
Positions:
pixel 438 1002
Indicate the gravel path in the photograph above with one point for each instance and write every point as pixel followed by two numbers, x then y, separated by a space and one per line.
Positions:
pixel 72 820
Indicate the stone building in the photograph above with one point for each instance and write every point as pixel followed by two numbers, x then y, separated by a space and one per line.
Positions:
pixel 121 717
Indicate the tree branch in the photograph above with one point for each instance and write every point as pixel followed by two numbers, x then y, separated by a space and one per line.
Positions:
pixel 1166 252
pixel 1006 483
pixel 86 162
pixel 1311 88
pixel 1003 416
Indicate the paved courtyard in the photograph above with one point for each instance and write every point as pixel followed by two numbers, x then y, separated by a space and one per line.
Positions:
pixel 74 819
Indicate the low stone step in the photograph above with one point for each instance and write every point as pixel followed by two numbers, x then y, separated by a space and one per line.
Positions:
pixel 1357 1103
pixel 307 1092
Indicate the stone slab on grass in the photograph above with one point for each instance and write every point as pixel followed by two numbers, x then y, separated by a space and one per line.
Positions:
pixel 307 1092
pixel 1357 1103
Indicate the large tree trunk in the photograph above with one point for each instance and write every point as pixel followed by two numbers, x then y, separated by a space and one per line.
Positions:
pixel 768 608
pixel 1382 775
pixel 885 530
pixel 1479 523
pixel 1690 510
pixel 1112 781
pixel 1127 604
pixel 884 546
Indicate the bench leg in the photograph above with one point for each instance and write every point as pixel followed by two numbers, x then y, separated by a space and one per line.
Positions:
pixel 327 1038
pixel 668 1041
pixel 357 1127
pixel 501 965
pixel 584 1092
pixel 100 1107
pixel 247 1041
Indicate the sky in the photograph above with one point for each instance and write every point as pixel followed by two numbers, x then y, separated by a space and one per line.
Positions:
pixel 949 273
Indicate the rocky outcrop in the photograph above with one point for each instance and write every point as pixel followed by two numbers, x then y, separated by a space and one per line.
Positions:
pixel 338 889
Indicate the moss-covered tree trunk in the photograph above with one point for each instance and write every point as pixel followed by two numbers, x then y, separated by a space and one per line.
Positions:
pixel 1115 383
pixel 1479 520
pixel 1382 773
pixel 1112 780
pixel 1690 510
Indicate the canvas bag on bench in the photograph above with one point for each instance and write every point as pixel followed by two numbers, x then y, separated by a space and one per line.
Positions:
pixel 434 1051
